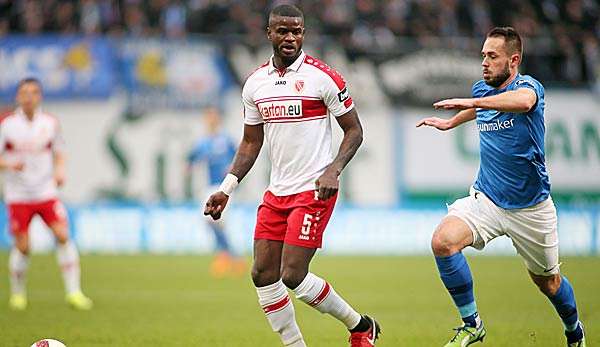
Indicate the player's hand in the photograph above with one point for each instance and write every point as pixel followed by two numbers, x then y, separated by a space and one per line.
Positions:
pixel 327 185
pixel 438 123
pixel 454 104
pixel 59 178
pixel 215 205
pixel 18 166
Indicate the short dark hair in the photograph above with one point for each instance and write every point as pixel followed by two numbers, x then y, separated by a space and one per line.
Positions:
pixel 512 39
pixel 286 11
pixel 28 80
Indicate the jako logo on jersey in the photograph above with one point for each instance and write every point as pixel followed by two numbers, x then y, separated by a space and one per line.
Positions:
pixel 495 126
pixel 343 95
pixel 280 83
pixel 281 109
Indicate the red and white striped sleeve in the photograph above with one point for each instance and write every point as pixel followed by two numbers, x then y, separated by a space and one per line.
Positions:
pixel 335 93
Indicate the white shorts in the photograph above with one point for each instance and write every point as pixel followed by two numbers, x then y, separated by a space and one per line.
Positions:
pixel 533 230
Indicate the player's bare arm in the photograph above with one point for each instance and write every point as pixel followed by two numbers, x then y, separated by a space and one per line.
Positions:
pixel 451 123
pixel 15 166
pixel 59 168
pixel 245 157
pixel 517 101
pixel 328 183
pixel 248 151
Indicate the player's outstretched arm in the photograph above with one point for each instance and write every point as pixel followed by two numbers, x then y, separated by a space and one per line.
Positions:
pixel 244 159
pixel 328 184
pixel 15 166
pixel 447 124
pixel 517 101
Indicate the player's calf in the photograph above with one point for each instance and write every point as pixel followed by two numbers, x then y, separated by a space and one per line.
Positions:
pixel 563 300
pixel 548 285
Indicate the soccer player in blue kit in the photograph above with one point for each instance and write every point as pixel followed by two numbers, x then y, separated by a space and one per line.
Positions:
pixel 511 195
pixel 217 149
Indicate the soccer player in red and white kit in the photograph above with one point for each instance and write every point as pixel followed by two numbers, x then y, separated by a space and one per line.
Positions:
pixel 31 154
pixel 288 101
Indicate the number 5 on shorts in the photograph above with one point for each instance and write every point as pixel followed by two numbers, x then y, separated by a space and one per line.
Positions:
pixel 306 224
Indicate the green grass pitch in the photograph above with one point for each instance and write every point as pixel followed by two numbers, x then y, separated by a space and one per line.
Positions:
pixel 172 301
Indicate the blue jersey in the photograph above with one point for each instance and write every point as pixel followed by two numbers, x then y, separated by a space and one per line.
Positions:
pixel 512 170
pixel 218 151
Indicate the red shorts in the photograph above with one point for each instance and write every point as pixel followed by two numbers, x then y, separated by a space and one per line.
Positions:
pixel 298 219
pixel 20 214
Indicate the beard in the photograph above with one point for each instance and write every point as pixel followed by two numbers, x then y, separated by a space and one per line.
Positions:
pixel 286 59
pixel 497 80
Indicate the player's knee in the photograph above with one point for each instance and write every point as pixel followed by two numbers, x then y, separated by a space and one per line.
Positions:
pixel 23 249
pixel 262 276
pixel 62 238
pixel 292 277
pixel 549 285
pixel 61 233
pixel 441 243
pixel 22 246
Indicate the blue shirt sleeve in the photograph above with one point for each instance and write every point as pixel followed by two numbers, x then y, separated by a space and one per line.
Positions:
pixel 533 85
pixel 523 83
pixel 477 90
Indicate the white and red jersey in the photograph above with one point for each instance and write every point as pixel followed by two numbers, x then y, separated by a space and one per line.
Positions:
pixel 295 105
pixel 33 143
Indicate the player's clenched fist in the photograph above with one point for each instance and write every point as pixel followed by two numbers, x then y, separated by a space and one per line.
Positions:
pixel 216 204
pixel 327 185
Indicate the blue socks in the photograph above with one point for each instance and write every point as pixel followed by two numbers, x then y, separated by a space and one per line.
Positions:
pixel 564 303
pixel 456 275
pixel 220 239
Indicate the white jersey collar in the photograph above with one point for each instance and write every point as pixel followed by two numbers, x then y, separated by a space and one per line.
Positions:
pixel 294 66
pixel 20 113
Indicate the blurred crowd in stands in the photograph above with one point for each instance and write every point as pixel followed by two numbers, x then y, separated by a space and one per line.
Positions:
pixel 562 35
